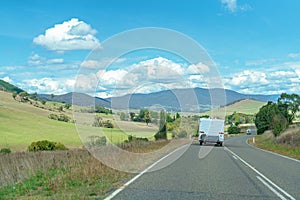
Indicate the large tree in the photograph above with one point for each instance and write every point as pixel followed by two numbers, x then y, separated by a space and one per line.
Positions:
pixel 289 105
pixel 162 132
pixel 270 117
pixel 147 117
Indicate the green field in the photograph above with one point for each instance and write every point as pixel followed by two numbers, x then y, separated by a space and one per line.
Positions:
pixel 245 106
pixel 22 123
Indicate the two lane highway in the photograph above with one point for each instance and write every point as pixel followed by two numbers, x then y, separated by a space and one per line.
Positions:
pixel 236 171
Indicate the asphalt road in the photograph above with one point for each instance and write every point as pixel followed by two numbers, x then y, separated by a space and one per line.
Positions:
pixel 236 171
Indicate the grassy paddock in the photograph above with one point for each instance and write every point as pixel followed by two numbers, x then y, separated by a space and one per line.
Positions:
pixel 244 106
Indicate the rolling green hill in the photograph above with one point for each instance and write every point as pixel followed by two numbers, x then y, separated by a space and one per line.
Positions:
pixel 246 106
pixel 5 86
pixel 23 123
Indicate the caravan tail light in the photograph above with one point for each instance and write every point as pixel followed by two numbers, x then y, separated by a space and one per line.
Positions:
pixel 221 133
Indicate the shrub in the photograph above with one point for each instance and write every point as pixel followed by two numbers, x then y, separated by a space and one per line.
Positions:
pixel 64 118
pixel 68 106
pixel 97 121
pixel 182 134
pixel 108 124
pixel 61 117
pixel 101 141
pixel 5 150
pixel 233 130
pixel 53 116
pixel 97 141
pixel 46 145
pixel 133 138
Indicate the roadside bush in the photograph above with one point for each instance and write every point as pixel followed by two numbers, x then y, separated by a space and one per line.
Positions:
pixel 5 150
pixel 182 134
pixel 290 137
pixel 46 145
pixel 233 130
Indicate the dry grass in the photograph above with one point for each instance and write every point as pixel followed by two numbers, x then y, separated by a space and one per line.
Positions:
pixel 290 137
pixel 143 146
pixel 72 174
pixel 287 144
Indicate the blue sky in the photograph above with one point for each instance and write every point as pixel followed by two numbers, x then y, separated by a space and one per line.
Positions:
pixel 254 44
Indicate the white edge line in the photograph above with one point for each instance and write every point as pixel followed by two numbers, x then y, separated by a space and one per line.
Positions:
pixel 272 189
pixel 263 176
pixel 112 195
pixel 234 157
pixel 277 154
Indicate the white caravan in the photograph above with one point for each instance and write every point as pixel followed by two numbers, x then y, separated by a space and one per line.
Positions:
pixel 211 131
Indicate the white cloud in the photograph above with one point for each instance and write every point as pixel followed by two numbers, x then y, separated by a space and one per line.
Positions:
pixel 55 61
pixel 262 81
pixel 158 69
pixel 232 6
pixel 98 64
pixel 8 79
pixel 198 68
pixel 70 35
pixel 260 62
pixel 111 77
pixel 48 85
pixel 294 55
pixel 36 60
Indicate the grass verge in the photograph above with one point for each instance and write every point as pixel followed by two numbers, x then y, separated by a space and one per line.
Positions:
pixel 269 144
pixel 73 174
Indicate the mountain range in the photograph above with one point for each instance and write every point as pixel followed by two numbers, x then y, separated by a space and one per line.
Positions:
pixel 190 99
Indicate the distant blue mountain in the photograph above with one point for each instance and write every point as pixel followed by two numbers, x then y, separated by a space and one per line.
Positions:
pixel 173 100
pixel 185 99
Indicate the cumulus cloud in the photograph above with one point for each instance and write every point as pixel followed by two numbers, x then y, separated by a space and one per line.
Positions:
pixel 271 81
pixel 159 69
pixel 144 76
pixel 110 77
pixel 198 68
pixel 70 35
pixel 48 85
